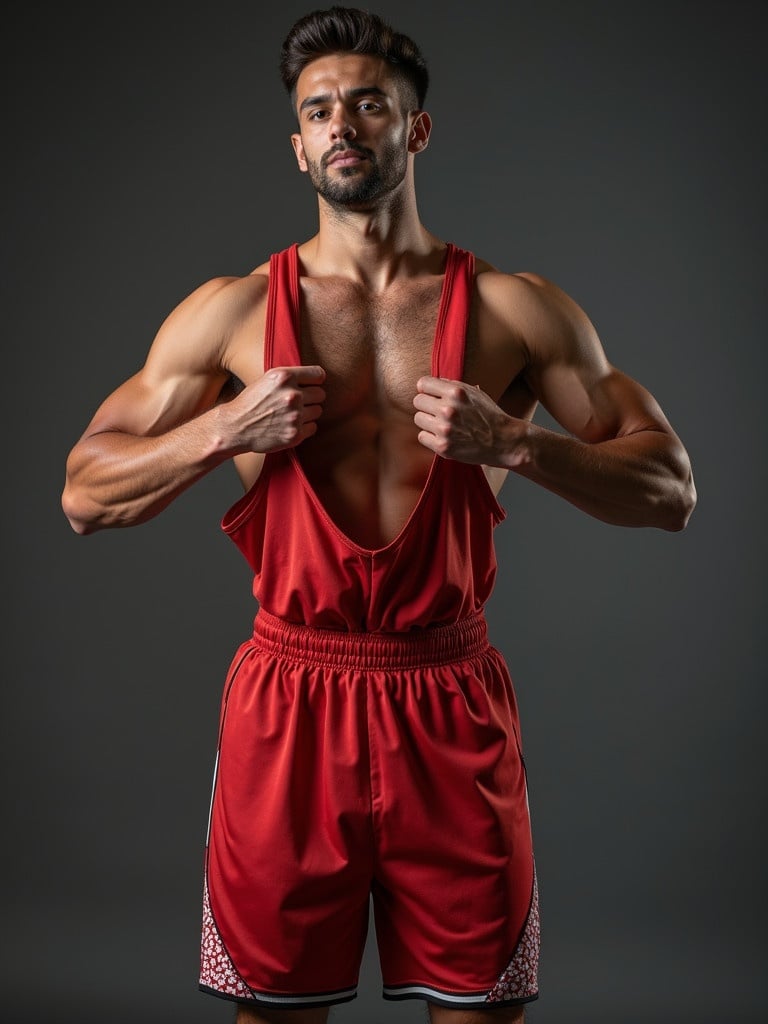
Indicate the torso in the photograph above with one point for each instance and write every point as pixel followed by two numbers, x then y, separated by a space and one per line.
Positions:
pixel 365 462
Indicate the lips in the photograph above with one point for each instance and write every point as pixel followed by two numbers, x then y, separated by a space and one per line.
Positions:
pixel 347 157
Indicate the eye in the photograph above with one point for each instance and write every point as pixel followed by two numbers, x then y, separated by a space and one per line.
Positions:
pixel 368 106
pixel 317 115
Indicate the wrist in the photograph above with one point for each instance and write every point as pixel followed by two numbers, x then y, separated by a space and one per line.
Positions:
pixel 517 443
pixel 223 441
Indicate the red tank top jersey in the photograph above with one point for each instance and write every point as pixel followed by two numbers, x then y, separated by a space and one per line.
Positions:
pixel 441 566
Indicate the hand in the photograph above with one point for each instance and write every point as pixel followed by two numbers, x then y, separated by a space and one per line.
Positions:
pixel 278 411
pixel 459 421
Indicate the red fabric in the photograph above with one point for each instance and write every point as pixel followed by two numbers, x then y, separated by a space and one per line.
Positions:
pixel 439 569
pixel 352 764
pixel 369 740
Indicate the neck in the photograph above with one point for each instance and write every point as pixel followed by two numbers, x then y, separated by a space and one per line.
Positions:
pixel 372 246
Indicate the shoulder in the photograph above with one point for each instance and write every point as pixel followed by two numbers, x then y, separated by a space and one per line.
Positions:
pixel 526 287
pixel 199 331
pixel 231 295
pixel 217 307
pixel 532 306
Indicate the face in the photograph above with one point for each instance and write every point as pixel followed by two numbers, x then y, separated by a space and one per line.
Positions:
pixel 355 139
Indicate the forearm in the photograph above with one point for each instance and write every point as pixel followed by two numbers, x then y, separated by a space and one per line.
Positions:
pixel 115 479
pixel 123 477
pixel 640 479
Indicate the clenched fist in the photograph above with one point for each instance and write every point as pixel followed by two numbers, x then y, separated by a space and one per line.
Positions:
pixel 280 410
pixel 459 421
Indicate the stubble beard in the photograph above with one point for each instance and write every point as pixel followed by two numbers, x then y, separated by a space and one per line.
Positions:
pixel 350 187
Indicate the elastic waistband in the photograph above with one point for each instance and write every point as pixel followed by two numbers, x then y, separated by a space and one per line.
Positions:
pixel 437 645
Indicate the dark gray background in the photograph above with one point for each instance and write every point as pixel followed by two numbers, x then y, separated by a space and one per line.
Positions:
pixel 616 148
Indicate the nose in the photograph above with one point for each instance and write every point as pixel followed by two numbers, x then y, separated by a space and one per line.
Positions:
pixel 340 126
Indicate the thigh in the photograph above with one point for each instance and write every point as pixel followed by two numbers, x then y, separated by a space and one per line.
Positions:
pixel 247 1015
pixel 503 1015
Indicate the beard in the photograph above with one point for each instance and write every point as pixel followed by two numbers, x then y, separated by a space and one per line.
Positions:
pixel 351 186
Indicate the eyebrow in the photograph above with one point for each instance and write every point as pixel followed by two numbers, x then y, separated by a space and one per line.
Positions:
pixel 363 90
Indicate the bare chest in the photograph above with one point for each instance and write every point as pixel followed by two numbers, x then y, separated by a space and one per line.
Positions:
pixel 373 347
pixel 365 462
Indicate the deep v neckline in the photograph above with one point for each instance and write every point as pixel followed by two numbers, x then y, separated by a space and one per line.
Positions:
pixel 446 290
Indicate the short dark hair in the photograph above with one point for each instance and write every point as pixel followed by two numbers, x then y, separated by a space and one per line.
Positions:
pixel 351 30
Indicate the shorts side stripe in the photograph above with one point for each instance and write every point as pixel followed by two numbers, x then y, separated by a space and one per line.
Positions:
pixel 425 992
pixel 324 997
pixel 464 1000
pixel 520 977
pixel 213 794
pixel 269 999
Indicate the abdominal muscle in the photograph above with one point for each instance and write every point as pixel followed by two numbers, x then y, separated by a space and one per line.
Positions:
pixel 368 475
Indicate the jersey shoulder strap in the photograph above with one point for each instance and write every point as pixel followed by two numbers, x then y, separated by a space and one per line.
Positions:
pixel 281 332
pixel 453 314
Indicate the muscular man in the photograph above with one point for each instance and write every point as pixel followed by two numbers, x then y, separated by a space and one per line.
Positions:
pixel 373 386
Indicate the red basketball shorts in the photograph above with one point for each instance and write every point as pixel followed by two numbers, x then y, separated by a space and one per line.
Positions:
pixel 353 766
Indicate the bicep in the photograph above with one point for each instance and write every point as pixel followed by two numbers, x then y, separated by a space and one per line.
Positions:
pixel 598 406
pixel 571 376
pixel 149 404
pixel 182 375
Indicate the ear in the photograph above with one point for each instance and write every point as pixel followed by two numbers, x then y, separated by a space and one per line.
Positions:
pixel 418 138
pixel 298 149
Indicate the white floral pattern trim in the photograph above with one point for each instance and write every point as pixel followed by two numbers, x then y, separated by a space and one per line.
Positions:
pixel 216 969
pixel 520 979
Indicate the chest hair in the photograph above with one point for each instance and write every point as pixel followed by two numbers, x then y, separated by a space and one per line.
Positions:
pixel 373 347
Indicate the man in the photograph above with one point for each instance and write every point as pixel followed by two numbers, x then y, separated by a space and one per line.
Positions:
pixel 373 387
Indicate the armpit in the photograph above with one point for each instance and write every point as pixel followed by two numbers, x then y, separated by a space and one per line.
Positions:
pixel 519 400
pixel 231 389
